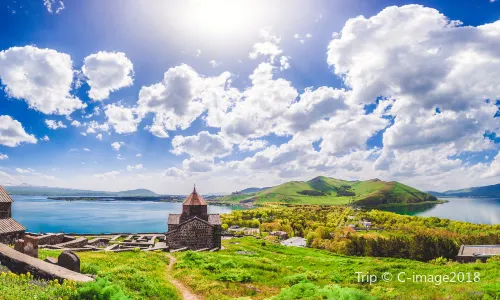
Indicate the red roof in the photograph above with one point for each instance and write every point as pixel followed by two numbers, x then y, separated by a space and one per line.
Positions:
pixel 4 196
pixel 194 199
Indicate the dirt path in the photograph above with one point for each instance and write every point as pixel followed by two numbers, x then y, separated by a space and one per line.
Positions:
pixel 185 291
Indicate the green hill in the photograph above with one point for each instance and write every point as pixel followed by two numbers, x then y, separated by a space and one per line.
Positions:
pixel 330 191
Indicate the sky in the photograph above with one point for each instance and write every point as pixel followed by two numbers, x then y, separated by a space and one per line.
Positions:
pixel 121 94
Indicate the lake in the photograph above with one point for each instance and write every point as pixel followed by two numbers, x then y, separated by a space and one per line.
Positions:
pixel 474 210
pixel 39 213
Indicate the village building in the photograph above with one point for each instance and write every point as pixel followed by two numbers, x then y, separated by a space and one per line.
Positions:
pixel 194 228
pixel 10 230
pixel 471 253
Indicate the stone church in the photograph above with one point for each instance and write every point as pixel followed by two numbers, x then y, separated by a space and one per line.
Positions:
pixel 194 228
pixel 10 230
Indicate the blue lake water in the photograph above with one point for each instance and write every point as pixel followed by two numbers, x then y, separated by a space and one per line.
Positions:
pixel 474 210
pixel 39 213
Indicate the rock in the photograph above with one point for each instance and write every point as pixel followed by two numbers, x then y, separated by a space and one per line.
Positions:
pixel 51 260
pixel 30 249
pixel 19 245
pixel 69 260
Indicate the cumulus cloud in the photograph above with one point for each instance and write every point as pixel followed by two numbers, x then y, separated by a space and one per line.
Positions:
pixel 493 169
pixel 45 138
pixel 3 156
pixel 268 48
pixel 94 126
pixel 117 145
pixel 180 98
pixel 12 133
pixel 136 167
pixel 76 123
pixel 252 145
pixel 284 62
pixel 107 72
pixel 197 165
pixel 52 124
pixel 42 77
pixel 99 137
pixel 123 119
pixel 50 5
pixel 108 175
pixel 173 172
pixel 203 144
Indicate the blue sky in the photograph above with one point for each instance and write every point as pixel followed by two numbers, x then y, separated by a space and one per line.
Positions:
pixel 254 93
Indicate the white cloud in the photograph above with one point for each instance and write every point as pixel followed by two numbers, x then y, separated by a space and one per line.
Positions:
pixel 3 156
pixel 25 171
pixel 108 175
pixel 197 165
pixel 117 145
pixel 45 138
pixel 493 169
pixel 123 120
pixel 76 123
pixel 58 5
pixel 52 124
pixel 42 77
pixel 107 72
pixel 252 145
pixel 284 62
pixel 214 63
pixel 12 133
pixel 94 126
pixel 173 172
pixel 308 35
pixel 120 157
pixel 203 144
pixel 84 133
pixel 86 149
pixel 136 167
pixel 268 48
pixel 99 137
pixel 138 155
pixel 180 98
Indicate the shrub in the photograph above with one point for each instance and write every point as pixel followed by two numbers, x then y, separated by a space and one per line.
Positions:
pixel 235 276
pixel 439 261
pixel 89 269
pixel 101 289
pixel 296 278
pixel 307 290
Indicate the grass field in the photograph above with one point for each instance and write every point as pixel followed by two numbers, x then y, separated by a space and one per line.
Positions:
pixel 250 268
pixel 331 191
pixel 125 275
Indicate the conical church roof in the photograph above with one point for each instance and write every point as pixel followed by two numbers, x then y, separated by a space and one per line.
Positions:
pixel 194 199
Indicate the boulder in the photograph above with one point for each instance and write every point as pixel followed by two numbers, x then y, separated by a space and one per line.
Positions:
pixel 30 246
pixel 69 260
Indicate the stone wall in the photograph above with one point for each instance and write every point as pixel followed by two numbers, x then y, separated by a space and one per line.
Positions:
pixel 11 237
pixel 51 239
pixel 5 210
pixel 194 234
pixel 78 243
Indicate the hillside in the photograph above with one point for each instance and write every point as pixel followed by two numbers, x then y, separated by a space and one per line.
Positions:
pixel 55 191
pixel 330 191
pixel 480 191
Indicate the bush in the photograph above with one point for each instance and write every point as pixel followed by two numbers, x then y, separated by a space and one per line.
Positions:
pixel 439 261
pixel 101 289
pixel 307 290
pixel 235 276
pixel 296 278
pixel 89 269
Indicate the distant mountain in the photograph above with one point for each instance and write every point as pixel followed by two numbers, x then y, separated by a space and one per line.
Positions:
pixel 480 191
pixel 331 191
pixel 253 190
pixel 25 189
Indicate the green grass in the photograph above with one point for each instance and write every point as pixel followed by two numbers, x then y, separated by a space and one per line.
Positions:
pixel 271 267
pixel 140 275
pixel 367 193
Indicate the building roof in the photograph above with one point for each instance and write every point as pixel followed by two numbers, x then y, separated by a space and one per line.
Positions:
pixel 194 199
pixel 213 219
pixel 479 250
pixel 4 196
pixel 10 225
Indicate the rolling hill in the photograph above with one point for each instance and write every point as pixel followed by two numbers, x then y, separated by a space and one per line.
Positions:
pixel 480 191
pixel 331 191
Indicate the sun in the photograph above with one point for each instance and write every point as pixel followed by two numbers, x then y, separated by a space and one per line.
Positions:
pixel 221 17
